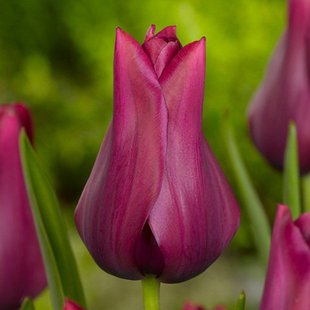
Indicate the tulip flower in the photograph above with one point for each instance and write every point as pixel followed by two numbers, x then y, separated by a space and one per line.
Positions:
pixel 71 305
pixel 287 285
pixel 284 94
pixel 21 267
pixel 156 201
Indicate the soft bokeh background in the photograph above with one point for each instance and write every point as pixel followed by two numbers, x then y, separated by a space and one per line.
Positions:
pixel 57 56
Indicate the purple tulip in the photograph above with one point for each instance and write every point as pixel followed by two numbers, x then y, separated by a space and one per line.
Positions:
pixel 284 95
pixel 21 267
pixel 287 285
pixel 156 201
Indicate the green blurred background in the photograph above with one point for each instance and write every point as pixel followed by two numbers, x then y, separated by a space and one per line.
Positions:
pixel 57 56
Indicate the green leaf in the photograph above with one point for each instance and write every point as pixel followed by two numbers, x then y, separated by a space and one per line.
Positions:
pixel 27 304
pixel 291 187
pixel 59 259
pixel 250 199
pixel 241 301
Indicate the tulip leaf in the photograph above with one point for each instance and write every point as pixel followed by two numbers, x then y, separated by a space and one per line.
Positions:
pixel 251 201
pixel 27 304
pixel 241 301
pixel 51 228
pixel 291 187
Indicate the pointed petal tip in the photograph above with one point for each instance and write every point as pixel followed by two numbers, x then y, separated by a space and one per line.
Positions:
pixel 119 31
pixel 168 32
pixel 150 32
pixel 196 46
pixel 283 209
pixel 283 214
pixel 122 37
pixel 199 43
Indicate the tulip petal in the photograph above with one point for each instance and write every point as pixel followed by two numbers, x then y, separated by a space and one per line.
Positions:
pixel 129 163
pixel 284 94
pixel 161 47
pixel 165 56
pixel 298 23
pixel 196 214
pixel 303 223
pixel 154 47
pixel 168 33
pixel 150 33
pixel 287 283
pixel 24 117
pixel 21 266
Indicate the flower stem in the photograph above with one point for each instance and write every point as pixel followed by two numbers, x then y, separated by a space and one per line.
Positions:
pixel 305 181
pixel 150 286
pixel 291 186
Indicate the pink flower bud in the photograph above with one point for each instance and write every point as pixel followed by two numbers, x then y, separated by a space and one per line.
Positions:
pixel 284 94
pixel 21 267
pixel 287 285
pixel 156 201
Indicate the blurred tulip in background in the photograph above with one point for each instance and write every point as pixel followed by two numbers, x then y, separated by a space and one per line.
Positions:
pixel 284 94
pixel 21 267
pixel 287 285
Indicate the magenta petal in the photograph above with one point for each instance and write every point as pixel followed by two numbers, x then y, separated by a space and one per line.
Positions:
pixel 25 118
pixel 196 214
pixel 127 175
pixel 287 284
pixel 284 94
pixel 165 56
pixel 21 267
pixel 169 34
pixel 150 33
pixel 303 223
pixel 154 47
pixel 161 47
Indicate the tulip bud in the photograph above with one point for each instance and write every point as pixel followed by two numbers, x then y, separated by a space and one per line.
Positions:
pixel 21 267
pixel 156 201
pixel 287 285
pixel 71 305
pixel 284 94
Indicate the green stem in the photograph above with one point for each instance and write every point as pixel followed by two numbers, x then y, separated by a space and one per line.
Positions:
pixel 150 286
pixel 241 301
pixel 291 186
pixel 305 185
